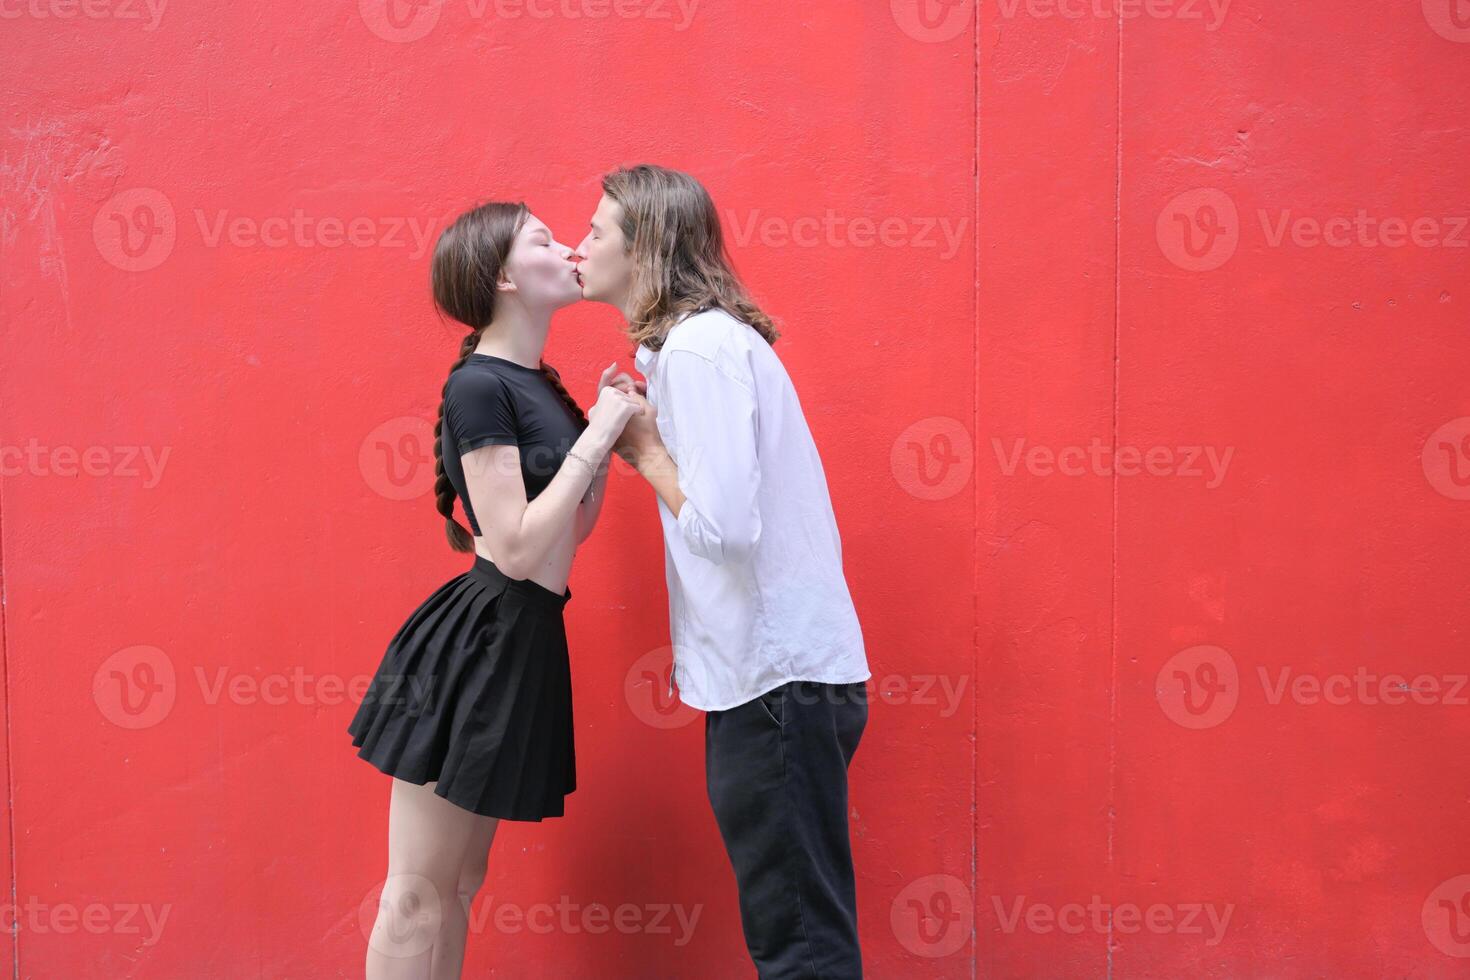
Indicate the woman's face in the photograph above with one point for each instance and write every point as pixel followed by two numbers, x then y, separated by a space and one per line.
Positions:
pixel 541 268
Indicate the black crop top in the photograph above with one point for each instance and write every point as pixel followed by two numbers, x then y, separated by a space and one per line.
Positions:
pixel 494 401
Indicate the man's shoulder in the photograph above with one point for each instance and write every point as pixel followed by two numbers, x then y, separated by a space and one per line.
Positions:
pixel 707 332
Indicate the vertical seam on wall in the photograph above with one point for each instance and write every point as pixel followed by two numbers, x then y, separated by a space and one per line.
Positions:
pixel 1113 580
pixel 975 509
pixel 9 749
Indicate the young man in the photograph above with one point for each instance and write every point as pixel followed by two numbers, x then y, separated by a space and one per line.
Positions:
pixel 765 637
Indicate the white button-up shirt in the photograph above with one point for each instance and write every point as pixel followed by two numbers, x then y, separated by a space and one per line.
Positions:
pixel 753 561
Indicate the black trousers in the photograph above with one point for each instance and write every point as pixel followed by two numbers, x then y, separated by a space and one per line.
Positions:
pixel 776 773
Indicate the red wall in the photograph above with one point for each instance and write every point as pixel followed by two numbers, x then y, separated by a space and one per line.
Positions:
pixel 1002 240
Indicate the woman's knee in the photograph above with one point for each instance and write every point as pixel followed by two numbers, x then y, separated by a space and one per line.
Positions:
pixel 411 912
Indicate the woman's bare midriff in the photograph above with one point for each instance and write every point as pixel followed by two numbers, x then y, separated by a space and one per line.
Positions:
pixel 554 571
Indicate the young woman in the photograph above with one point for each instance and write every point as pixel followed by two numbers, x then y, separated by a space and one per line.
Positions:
pixel 471 708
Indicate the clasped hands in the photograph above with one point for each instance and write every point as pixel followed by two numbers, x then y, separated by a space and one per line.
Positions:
pixel 638 442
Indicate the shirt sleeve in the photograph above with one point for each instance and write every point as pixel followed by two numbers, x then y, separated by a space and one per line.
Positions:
pixel 479 411
pixel 716 427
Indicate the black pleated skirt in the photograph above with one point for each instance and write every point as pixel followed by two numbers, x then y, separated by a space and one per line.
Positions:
pixel 475 694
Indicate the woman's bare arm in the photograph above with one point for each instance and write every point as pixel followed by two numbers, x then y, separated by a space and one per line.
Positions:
pixel 521 534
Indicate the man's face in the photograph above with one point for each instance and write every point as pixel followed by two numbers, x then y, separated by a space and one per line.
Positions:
pixel 606 265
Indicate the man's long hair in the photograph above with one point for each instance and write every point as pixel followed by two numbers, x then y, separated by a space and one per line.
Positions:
pixel 680 261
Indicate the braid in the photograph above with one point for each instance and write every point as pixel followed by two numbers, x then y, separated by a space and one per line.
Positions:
pixel 555 378
pixel 459 537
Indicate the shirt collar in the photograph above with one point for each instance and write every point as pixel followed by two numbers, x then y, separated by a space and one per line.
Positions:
pixel 643 358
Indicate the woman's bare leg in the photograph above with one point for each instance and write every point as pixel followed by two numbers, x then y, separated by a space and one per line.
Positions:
pixel 427 838
pixel 449 946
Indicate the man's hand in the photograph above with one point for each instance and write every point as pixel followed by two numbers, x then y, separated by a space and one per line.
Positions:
pixel 621 380
pixel 640 442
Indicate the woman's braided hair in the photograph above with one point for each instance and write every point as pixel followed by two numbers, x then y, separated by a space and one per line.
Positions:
pixel 468 260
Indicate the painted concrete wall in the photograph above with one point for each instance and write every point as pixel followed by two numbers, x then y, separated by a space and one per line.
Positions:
pixel 1134 340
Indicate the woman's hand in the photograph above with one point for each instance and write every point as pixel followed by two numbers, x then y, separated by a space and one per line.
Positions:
pixel 611 413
